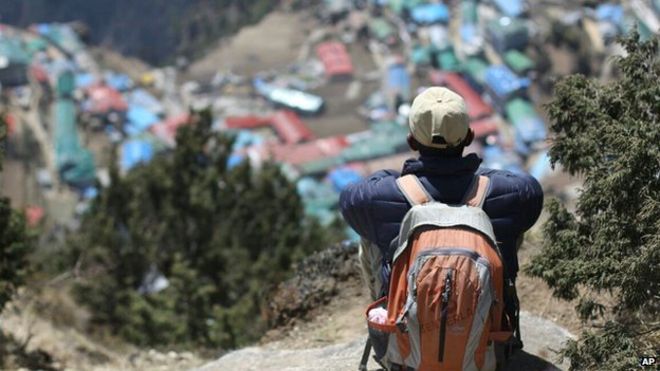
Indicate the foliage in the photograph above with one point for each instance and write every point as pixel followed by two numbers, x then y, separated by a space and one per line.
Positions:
pixel 609 134
pixel 223 238
pixel 14 242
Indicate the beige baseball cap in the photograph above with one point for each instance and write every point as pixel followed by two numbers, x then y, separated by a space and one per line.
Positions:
pixel 438 118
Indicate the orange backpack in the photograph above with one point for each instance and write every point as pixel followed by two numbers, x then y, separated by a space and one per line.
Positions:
pixel 445 304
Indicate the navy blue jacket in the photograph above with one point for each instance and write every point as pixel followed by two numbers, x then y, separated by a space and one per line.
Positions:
pixel 375 207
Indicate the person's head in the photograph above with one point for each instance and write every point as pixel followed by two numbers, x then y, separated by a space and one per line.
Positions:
pixel 439 123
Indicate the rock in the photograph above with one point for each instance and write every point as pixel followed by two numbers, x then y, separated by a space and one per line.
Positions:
pixel 186 356
pixel 314 283
pixel 540 337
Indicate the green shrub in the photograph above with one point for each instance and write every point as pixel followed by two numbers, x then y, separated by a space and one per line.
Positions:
pixel 14 242
pixel 609 134
pixel 222 238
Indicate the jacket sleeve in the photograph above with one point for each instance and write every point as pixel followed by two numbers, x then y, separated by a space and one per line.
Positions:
pixel 355 202
pixel 531 201
pixel 519 196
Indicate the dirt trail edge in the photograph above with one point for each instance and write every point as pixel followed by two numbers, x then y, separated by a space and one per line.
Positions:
pixel 541 338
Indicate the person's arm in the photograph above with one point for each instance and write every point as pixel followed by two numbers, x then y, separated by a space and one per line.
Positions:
pixel 355 204
pixel 525 197
pixel 531 202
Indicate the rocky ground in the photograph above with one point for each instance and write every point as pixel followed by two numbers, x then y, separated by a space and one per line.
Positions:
pixel 346 355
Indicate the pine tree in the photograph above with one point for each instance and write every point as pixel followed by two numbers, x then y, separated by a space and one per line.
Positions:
pixel 610 135
pixel 14 242
pixel 221 237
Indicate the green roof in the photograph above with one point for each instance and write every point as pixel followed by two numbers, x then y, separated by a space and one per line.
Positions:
pixel 380 28
pixel 421 55
pixel 319 166
pixel 323 215
pixel 475 68
pixel 518 110
pixel 66 84
pixel 75 163
pixel 469 11
pixel 366 150
pixel 36 44
pixel 448 61
pixel 65 37
pixel 518 62
pixel 66 134
pixel 13 50
pixel 398 5
pixel 389 128
pixel 509 27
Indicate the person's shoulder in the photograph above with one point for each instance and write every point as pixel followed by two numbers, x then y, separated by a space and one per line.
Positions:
pixel 374 181
pixel 503 182
pixel 374 186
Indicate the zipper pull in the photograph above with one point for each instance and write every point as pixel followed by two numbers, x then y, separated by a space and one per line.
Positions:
pixel 444 308
pixel 447 291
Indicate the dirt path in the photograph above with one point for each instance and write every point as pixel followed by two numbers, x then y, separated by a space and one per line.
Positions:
pixel 273 43
pixel 336 342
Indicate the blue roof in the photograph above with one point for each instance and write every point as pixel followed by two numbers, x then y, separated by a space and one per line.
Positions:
pixel 430 13
pixel 234 160
pixel 139 120
pixel 343 176
pixel 135 152
pixel 118 81
pixel 468 32
pixel 510 8
pixel 610 13
pixel 90 192
pixel 541 167
pixel 261 86
pixel 84 80
pixel 144 99
pixel 494 157
pixel 398 77
pixel 530 129
pixel 246 138
pixel 43 28
pixel 503 81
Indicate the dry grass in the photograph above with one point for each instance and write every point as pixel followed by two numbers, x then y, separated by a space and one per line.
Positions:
pixel 47 328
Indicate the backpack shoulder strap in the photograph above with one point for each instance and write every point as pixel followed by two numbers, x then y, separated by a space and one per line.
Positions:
pixel 413 190
pixel 477 192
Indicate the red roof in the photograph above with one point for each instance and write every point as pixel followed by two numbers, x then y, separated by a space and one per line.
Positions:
pixel 246 122
pixel 335 59
pixel 11 124
pixel 484 127
pixel 39 73
pixel 297 154
pixel 476 106
pixel 104 99
pixel 166 130
pixel 34 215
pixel 288 126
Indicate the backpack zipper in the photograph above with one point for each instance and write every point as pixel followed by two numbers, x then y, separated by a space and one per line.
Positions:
pixel 444 308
